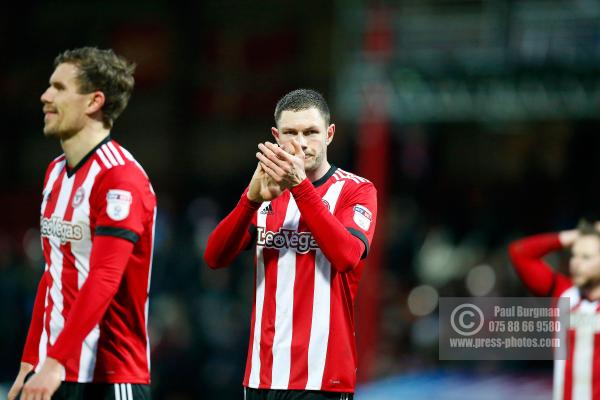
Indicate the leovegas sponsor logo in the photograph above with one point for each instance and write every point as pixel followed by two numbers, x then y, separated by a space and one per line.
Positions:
pixel 301 242
pixel 63 230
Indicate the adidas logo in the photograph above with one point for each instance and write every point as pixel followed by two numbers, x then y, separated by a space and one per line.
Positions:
pixel 268 210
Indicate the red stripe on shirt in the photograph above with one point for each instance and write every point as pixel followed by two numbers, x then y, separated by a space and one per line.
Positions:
pixel 268 318
pixel 47 313
pixel 339 369
pixel 302 319
pixel 47 247
pixel 568 387
pixel 251 339
pixel 596 369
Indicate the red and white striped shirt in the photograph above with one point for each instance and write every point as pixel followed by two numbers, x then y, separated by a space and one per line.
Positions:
pixel 97 229
pixel 578 376
pixel 310 246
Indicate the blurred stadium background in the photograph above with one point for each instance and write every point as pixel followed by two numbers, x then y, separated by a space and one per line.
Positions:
pixel 477 120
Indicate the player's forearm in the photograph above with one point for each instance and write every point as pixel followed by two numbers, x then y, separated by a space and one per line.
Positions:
pixel 341 248
pixel 526 255
pixel 107 264
pixel 535 247
pixel 30 351
pixel 231 236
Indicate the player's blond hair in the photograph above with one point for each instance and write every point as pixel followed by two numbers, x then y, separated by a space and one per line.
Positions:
pixel 586 228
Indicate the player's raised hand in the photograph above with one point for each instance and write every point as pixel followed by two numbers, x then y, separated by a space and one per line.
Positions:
pixel 19 381
pixel 262 186
pixel 285 167
pixel 567 238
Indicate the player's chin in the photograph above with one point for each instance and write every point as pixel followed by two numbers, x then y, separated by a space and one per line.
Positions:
pixel 309 164
pixel 580 281
pixel 49 132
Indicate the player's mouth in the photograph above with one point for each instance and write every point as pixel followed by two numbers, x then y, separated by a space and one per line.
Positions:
pixel 48 113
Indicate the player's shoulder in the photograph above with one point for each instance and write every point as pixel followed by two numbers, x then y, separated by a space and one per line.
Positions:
pixel 55 166
pixel 350 178
pixel 117 159
pixel 57 161
pixel 565 288
pixel 118 164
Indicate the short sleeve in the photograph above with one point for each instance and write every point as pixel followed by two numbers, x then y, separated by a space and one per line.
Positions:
pixel 358 212
pixel 119 204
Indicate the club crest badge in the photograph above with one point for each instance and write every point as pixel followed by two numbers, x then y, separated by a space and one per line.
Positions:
pixel 78 198
pixel 118 204
pixel 362 217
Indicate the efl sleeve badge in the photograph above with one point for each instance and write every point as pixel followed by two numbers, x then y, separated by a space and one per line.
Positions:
pixel 362 217
pixel 118 203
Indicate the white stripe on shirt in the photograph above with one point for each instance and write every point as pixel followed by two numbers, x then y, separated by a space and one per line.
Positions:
pixel 254 379
pixel 115 153
pixel 284 304
pixel 319 332
pixel 57 321
pixel 109 155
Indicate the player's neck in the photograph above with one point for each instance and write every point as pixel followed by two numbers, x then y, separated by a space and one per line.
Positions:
pixel 318 173
pixel 79 145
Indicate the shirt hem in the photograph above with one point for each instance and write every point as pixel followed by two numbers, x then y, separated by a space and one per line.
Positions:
pixel 321 389
pixel 115 379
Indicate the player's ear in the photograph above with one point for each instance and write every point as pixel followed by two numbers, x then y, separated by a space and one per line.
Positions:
pixel 275 134
pixel 330 133
pixel 96 102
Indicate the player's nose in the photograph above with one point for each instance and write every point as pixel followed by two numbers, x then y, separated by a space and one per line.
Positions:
pixel 301 141
pixel 45 97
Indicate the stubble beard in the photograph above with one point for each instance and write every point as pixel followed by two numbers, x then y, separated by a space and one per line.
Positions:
pixel 55 132
pixel 315 162
pixel 586 284
pixel 49 131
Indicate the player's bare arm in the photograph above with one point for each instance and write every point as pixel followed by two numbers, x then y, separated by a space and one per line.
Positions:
pixel 286 169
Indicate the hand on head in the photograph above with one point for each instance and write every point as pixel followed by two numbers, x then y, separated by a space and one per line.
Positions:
pixel 567 238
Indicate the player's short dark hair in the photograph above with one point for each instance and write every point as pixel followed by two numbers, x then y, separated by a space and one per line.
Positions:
pixel 105 71
pixel 302 99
